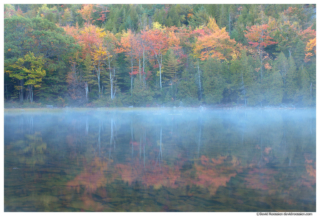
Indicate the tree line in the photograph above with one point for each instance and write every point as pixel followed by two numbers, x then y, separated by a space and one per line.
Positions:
pixel 171 55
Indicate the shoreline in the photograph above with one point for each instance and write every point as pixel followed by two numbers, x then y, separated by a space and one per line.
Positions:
pixel 200 108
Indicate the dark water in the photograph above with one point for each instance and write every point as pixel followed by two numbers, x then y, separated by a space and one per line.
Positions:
pixel 252 160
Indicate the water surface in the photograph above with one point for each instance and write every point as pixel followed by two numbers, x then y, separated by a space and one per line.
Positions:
pixel 160 160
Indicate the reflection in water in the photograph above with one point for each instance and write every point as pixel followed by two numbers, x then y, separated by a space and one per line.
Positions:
pixel 160 161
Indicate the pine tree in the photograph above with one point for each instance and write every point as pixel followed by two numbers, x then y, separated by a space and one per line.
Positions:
pixel 187 89
pixel 274 90
pixel 141 95
pixel 291 82
pixel 281 64
pixel 67 17
pixel 213 83
pixel 171 66
pixel 223 19
pixel 254 91
pixel 304 96
pixel 159 16
pixel 298 54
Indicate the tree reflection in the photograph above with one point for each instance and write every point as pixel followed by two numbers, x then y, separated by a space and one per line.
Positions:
pixel 31 149
pixel 92 177
pixel 212 174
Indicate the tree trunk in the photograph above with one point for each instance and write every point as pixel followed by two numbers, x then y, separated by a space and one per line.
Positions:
pixel 111 82
pixel 7 91
pixel 144 74
pixel 131 73
pixel 30 95
pixel 160 70
pixel 131 84
pixel 260 65
pixel 199 77
pixel 98 75
pixel 86 89
pixel 139 70
pixel 21 91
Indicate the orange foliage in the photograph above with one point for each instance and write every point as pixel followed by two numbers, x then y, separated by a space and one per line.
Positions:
pixel 260 178
pixel 86 11
pixel 91 178
pixel 89 37
pixel 310 170
pixel 151 175
pixel 212 177
pixel 267 66
pixel 259 35
pixel 157 41
pixel 311 47
pixel 214 42
pixel 128 173
pixel 165 176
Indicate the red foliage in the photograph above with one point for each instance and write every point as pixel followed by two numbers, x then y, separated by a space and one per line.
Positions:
pixel 259 35
pixel 134 73
pixel 91 178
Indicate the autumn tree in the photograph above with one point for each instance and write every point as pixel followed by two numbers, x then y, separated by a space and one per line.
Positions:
pixel 171 65
pixel 127 45
pixel 258 36
pixel 157 44
pixel 45 39
pixel 110 42
pixel 91 39
pixel 30 69
pixel 213 43
pixel 86 12
pixel 310 49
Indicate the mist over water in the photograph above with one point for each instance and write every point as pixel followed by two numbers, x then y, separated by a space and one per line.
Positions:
pixel 160 160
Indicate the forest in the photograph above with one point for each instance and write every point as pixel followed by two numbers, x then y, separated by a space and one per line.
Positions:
pixel 72 55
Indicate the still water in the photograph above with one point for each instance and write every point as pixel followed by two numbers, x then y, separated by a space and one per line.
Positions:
pixel 160 160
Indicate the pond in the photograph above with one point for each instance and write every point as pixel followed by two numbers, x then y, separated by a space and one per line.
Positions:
pixel 160 160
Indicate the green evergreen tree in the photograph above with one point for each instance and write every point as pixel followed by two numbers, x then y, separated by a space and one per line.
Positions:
pixel 171 67
pixel 213 82
pixel 304 96
pixel 201 17
pixel 160 16
pixel 141 95
pixel 291 82
pixel 223 18
pixel 187 88
pixel 298 53
pixel 274 89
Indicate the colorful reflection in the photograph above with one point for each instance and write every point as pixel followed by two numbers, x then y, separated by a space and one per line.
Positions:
pixel 109 161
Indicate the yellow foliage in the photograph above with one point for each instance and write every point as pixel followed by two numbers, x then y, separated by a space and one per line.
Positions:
pixel 311 46
pixel 156 25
